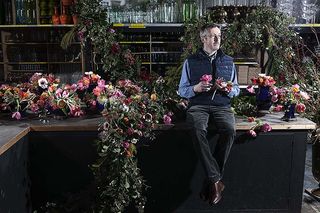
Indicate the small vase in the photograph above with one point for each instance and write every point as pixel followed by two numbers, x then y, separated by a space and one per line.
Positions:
pixel 64 18
pixel 55 16
pixel 289 110
pixel 263 100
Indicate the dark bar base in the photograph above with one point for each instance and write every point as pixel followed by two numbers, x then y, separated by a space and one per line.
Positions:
pixel 264 174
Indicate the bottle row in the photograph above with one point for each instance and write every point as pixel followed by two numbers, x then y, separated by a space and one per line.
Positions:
pixel 146 49
pixel 37 36
pixel 159 57
pixel 159 36
pixel 19 54
pixel 155 12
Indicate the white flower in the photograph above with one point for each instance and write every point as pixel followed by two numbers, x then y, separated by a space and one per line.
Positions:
pixel 88 73
pixel 43 83
pixel 134 140
pixel 125 108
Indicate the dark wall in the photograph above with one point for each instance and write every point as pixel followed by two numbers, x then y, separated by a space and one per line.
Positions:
pixel 14 180
pixel 60 165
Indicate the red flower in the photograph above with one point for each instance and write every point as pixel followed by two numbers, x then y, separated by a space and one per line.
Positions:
pixel 115 48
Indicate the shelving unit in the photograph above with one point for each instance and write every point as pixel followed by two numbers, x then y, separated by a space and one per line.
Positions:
pixel 156 45
pixel 36 48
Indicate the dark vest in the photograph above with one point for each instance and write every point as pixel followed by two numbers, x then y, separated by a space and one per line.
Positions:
pixel 199 64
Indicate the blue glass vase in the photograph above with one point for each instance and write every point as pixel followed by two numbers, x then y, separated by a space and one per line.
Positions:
pixel 289 110
pixel 263 99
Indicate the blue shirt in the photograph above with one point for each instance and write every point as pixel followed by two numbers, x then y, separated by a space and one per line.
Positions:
pixel 186 90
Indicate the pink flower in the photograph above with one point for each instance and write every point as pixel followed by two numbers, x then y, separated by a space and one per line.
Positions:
pixel 278 108
pixel 274 98
pixel 304 95
pixel 125 144
pixel 251 119
pixel 16 115
pixel 141 125
pixel 252 133
pixel 250 89
pixel 101 84
pixel 93 102
pixel 265 128
pixel 300 107
pixel 58 92
pixel 206 78
pixel 97 91
pixel 65 94
pixel 130 131
pixel 166 119
pixel 34 107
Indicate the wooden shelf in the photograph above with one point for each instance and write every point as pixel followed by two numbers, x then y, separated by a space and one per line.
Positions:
pixel 36 43
pixel 35 26
pixel 42 62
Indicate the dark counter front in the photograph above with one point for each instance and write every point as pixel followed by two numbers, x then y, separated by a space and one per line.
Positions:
pixel 264 174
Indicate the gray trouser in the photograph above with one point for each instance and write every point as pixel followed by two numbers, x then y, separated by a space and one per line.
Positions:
pixel 212 156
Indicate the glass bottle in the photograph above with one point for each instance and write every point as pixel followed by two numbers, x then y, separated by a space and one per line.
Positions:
pixel 186 10
pixel 55 16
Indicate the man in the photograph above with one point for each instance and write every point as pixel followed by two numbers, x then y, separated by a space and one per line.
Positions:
pixel 210 103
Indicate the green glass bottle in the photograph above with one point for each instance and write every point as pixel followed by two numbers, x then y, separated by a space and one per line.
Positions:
pixel 186 10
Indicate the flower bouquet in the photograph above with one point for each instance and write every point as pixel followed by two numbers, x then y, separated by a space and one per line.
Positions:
pixel 265 84
pixel 290 99
pixel 15 99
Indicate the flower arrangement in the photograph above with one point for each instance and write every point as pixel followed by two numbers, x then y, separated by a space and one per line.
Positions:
pixel 130 114
pixel 16 99
pixel 290 99
pixel 263 80
pixel 258 127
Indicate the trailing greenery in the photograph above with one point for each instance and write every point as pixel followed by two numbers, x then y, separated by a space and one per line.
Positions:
pixel 264 28
pixel 94 30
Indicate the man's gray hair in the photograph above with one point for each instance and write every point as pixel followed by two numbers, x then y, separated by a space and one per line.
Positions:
pixel 205 29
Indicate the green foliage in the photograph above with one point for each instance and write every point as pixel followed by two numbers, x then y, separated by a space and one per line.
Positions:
pixel 94 29
pixel 264 28
pixel 244 105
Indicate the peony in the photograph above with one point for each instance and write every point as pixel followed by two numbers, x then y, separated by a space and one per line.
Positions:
pixel 300 107
pixel 166 119
pixel 265 128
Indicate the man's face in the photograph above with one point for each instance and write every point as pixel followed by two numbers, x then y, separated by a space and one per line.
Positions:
pixel 212 40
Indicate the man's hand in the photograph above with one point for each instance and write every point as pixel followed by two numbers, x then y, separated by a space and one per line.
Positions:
pixel 202 86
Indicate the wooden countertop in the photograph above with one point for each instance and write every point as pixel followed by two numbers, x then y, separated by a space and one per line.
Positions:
pixel 13 131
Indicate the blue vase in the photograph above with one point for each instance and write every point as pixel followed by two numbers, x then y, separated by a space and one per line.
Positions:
pixel 263 98
pixel 289 110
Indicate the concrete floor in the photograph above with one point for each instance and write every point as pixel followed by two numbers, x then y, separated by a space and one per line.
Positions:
pixel 309 205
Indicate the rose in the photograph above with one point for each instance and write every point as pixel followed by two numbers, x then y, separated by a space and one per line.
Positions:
pixel 265 128
pixel 300 107
pixel 206 78
pixel 278 108
pixel 166 119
